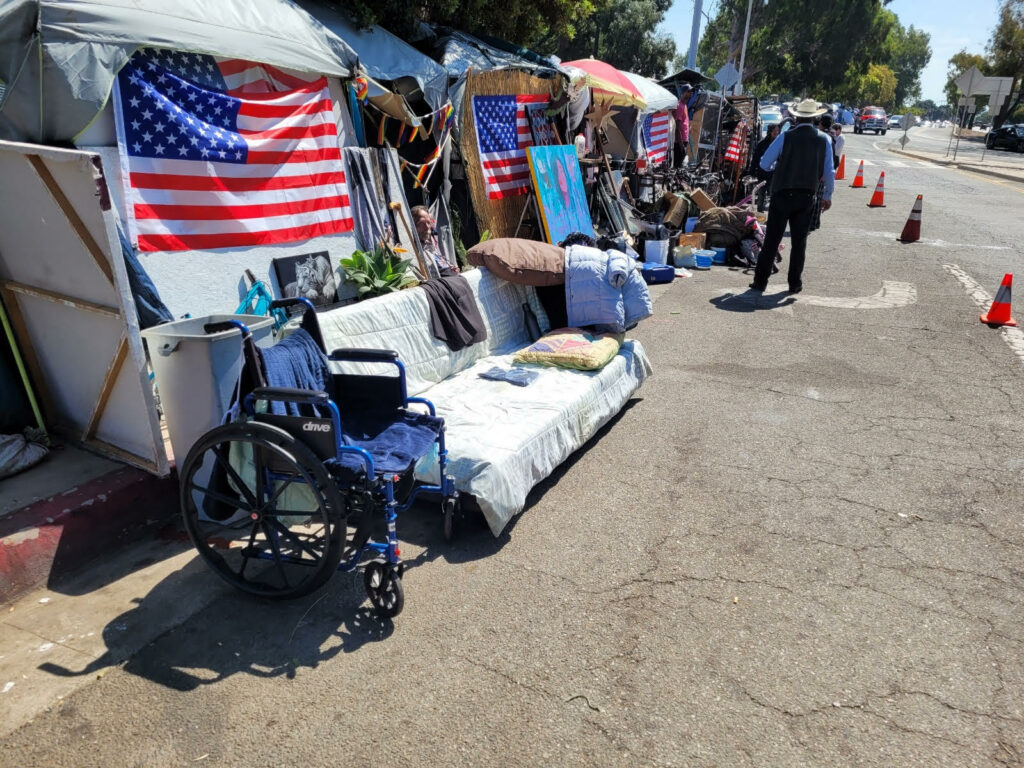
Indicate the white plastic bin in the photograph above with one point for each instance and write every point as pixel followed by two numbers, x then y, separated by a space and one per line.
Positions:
pixel 196 373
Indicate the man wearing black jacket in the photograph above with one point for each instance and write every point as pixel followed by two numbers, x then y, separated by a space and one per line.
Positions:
pixel 799 159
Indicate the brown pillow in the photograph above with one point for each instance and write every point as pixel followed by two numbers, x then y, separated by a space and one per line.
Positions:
pixel 524 262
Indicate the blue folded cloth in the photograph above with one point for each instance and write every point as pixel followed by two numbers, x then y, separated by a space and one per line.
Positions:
pixel 517 376
pixel 297 362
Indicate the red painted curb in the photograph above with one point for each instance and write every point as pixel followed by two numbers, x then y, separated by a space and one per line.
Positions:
pixel 47 540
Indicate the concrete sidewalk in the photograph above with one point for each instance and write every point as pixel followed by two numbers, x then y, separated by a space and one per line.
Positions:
pixel 997 169
pixel 72 509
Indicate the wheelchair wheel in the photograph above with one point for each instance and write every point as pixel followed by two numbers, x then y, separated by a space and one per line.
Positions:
pixel 384 588
pixel 449 508
pixel 262 510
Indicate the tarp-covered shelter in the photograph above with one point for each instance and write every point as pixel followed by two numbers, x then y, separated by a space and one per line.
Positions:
pixel 609 84
pixel 385 57
pixel 59 57
pixel 658 98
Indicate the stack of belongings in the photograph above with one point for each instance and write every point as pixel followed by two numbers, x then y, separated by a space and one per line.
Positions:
pixel 736 230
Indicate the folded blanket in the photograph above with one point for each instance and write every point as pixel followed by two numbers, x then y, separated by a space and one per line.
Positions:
pixel 572 348
pixel 516 376
pixel 295 361
pixel 454 316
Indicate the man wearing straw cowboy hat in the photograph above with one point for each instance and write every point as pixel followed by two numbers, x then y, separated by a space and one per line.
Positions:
pixel 799 158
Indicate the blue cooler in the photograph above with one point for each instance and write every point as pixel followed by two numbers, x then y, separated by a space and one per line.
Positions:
pixel 657 273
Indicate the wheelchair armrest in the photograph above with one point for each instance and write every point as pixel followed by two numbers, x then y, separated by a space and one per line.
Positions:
pixel 290 395
pixel 355 355
pixel 286 303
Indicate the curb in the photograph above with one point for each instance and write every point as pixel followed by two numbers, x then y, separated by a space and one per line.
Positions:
pixel 50 539
pixel 961 166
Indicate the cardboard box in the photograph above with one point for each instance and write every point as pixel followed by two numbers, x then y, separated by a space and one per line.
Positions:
pixel 702 200
pixel 676 207
pixel 693 239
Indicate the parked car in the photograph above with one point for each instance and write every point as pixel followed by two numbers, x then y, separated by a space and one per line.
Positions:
pixel 1009 136
pixel 770 115
pixel 871 119
pixel 894 121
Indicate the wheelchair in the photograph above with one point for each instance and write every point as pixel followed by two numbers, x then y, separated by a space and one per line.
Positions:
pixel 299 483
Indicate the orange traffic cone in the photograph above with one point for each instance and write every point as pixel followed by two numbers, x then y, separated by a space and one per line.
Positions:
pixel 912 229
pixel 999 313
pixel 878 198
pixel 841 170
pixel 858 180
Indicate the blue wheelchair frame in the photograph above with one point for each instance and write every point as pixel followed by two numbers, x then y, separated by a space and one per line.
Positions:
pixel 389 549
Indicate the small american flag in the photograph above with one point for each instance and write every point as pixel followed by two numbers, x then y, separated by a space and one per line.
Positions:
pixel 656 134
pixel 502 135
pixel 222 153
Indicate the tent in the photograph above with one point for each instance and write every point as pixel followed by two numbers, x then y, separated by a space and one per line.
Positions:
pixel 383 56
pixel 608 84
pixel 59 57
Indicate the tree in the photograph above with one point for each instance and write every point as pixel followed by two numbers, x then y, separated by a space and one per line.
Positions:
pixel 878 86
pixel 797 46
pixel 1006 54
pixel 518 21
pixel 623 35
pixel 906 52
pixel 958 64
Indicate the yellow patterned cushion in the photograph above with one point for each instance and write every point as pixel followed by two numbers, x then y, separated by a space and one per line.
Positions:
pixel 572 348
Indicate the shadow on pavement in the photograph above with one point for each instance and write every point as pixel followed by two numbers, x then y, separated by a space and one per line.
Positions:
pixel 751 301
pixel 236 633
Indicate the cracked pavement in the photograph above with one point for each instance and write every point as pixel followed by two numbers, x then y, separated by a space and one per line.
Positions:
pixel 801 545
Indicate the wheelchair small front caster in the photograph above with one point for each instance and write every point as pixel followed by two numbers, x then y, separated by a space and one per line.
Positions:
pixel 450 507
pixel 384 588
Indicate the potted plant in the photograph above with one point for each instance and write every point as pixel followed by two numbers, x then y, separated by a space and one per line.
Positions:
pixel 378 272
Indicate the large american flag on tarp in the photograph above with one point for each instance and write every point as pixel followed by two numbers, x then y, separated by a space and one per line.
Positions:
pixel 657 129
pixel 222 153
pixel 502 136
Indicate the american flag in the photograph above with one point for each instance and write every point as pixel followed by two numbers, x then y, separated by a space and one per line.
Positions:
pixel 502 135
pixel 222 153
pixel 657 128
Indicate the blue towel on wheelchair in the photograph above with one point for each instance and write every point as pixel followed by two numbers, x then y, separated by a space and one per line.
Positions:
pixel 296 362
pixel 395 439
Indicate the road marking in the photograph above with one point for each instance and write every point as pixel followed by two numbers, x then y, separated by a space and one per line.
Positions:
pixel 923 164
pixel 990 180
pixel 897 164
pixel 934 243
pixel 892 294
pixel 1014 337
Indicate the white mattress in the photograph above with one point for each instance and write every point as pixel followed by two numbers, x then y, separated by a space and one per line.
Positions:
pixel 502 439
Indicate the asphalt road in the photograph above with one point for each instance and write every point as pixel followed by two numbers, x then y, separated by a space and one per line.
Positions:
pixel 801 545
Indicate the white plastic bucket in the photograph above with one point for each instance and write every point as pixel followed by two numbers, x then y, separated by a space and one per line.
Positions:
pixel 656 251
pixel 197 373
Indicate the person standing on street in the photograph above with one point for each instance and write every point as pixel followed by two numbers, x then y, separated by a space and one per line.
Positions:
pixel 762 175
pixel 799 158
pixel 838 142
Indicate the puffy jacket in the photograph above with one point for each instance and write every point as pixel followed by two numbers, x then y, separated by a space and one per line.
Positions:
pixel 603 289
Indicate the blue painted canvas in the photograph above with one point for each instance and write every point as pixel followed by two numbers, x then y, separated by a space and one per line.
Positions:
pixel 558 184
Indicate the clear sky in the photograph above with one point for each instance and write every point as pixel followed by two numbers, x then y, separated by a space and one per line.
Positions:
pixel 952 24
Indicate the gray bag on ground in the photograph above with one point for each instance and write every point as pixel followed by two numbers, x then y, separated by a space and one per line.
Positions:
pixel 17 453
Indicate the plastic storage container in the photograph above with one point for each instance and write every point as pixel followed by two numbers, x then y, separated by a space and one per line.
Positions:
pixel 703 259
pixel 682 256
pixel 719 257
pixel 197 373
pixel 656 251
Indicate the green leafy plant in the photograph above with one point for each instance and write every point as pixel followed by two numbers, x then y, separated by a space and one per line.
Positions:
pixel 377 272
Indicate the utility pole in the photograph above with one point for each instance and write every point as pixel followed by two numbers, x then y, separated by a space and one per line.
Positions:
pixel 743 50
pixel 691 59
